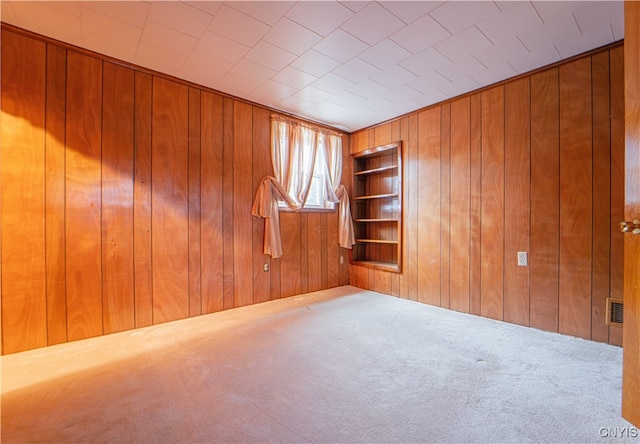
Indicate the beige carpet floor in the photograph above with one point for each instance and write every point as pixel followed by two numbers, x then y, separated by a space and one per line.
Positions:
pixel 342 365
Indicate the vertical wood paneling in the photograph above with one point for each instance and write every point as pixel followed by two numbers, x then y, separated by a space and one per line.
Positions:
pixel 445 204
pixel 83 196
pixel 460 230
pixel 475 204
pixel 170 201
pixel 24 303
pixel 545 203
pixel 118 307
pixel 492 212
pixel 227 202
pixel 575 198
pixel 601 195
pixel 54 191
pixel 195 187
pixel 429 206
pixel 242 198
pixel 617 107
pixel 304 252
pixel 314 245
pixel 212 202
pixel 290 271
pixel 333 250
pixel 261 168
pixel 517 200
pixel 143 285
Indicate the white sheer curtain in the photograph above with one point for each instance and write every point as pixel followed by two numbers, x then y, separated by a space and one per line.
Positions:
pixel 294 152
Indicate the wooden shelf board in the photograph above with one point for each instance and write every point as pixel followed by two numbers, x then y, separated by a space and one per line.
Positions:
pixel 376 196
pixel 376 241
pixel 377 170
pixel 377 220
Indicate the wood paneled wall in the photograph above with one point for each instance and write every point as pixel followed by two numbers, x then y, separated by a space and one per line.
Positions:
pixel 126 201
pixel 535 165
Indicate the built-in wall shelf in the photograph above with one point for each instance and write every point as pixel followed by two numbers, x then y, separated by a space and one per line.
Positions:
pixel 377 196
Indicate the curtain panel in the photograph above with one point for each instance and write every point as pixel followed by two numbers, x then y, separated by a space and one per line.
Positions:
pixel 295 150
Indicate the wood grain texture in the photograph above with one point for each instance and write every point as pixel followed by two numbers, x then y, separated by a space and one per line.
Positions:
pixel 460 226
pixel 227 202
pixel 575 199
pixel 242 199
pixel 195 204
pixel 24 303
pixel 631 358
pixel 492 211
pixel 600 271
pixel 211 203
pixel 83 196
pixel 290 270
pixel 475 203
pixel 118 306
pixel 315 230
pixel 143 282
pixel 617 108
pixel 517 214
pixel 170 201
pixel 261 168
pixel 545 201
pixel 54 192
pixel 429 206
pixel 445 205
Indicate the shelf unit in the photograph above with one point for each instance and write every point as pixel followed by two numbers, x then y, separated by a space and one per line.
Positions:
pixel 377 207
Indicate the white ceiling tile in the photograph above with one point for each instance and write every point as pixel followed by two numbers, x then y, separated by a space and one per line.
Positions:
pixel 430 97
pixel 356 70
pixel 295 104
pixel 460 87
pixel 460 45
pixel 355 5
pixel 108 46
pixel 270 56
pixel 159 58
pixel 618 28
pixel 205 64
pixel 594 13
pixel 494 74
pixel 385 54
pixel 312 94
pixel 176 41
pixel 458 15
pixel 210 7
pixel 181 17
pixel 549 10
pixel 424 62
pixel 428 82
pixel 346 99
pixel 402 94
pixel 394 76
pixel 593 37
pixel 268 12
pixel 49 21
pixel 507 4
pixel 111 28
pixel 409 11
pixel 222 47
pixel 294 77
pixel 236 85
pixel 291 36
pixel 501 51
pixel 132 12
pixel 321 17
pixel 7 14
pixel 372 24
pixel 340 46
pixel 252 71
pixel 514 20
pixel 420 34
pixel 560 27
pixel 367 88
pixel 276 90
pixel 315 63
pixel 542 56
pixel 70 7
pixel 332 83
pixel 461 69
pixel 237 26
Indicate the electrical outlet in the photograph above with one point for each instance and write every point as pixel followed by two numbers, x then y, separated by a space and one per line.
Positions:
pixel 341 260
pixel 522 259
pixel 265 267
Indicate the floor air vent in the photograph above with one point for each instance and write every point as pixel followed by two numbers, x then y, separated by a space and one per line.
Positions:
pixel 615 312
